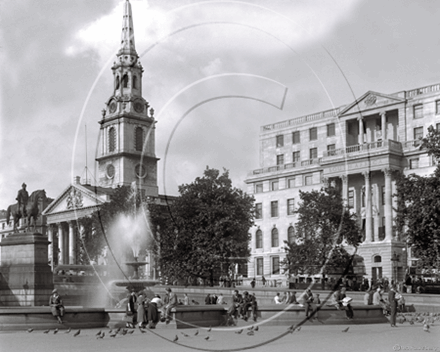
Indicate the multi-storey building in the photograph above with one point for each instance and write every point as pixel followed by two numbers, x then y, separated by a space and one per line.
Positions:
pixel 354 147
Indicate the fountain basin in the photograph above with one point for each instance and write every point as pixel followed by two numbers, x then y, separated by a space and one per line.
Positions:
pixel 41 318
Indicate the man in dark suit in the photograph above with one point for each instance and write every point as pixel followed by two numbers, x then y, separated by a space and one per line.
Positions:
pixel 393 303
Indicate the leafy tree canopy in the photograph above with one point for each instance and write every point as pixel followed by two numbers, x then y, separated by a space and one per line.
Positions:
pixel 323 226
pixel 208 228
pixel 418 213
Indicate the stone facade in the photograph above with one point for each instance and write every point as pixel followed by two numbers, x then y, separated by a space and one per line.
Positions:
pixel 354 147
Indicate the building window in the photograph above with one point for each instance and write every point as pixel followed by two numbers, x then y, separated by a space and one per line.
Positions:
pixel 309 180
pixel 275 265
pixel 313 133
pixel 291 182
pixel 377 259
pixel 280 141
pixel 418 111
pixel 139 139
pixel 259 211
pixel 331 149
pixel 291 206
pixel 290 234
pixel 383 195
pixel 418 134
pixel 274 209
pixel 274 185
pixel 280 159
pixel 414 163
pixel 296 137
pixel 259 266
pixel 259 239
pixel 351 198
pixel 274 237
pixel 111 139
pixel 117 82
pixel 313 153
pixel 330 129
pixel 125 81
pixel 296 156
pixel 258 188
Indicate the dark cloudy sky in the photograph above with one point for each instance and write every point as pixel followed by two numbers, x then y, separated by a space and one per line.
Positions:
pixel 56 77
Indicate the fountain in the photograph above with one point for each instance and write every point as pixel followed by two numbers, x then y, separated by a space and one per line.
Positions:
pixel 135 227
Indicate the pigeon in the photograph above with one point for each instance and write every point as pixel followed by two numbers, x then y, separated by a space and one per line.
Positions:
pixel 142 331
pixel 110 331
pixel 209 330
pixel 345 330
pixel 76 333
pixel 299 329
pixel 101 336
pixel 256 328
pixel 124 332
pixel 251 328
pixel 55 331
pixel 30 330
pixel 186 335
pixel 411 322
pixel 251 333
pixel 426 327
pixel 68 330
pixel 176 338
pixel 195 302
pixel 98 333
pixel 239 331
pixel 196 333
pixel 131 331
pixel 113 335
pixel 46 331
pixel 207 338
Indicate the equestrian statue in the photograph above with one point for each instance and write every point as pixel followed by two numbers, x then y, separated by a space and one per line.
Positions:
pixel 26 207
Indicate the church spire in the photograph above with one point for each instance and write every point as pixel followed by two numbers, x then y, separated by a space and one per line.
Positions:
pixel 127 35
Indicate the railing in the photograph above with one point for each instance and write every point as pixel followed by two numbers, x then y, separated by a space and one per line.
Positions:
pixel 302 119
pixel 385 145
pixel 414 144
pixel 311 162
pixel 423 90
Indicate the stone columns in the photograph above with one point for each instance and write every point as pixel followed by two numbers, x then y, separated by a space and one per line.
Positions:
pixel 72 243
pixel 388 211
pixel 361 131
pixel 344 179
pixel 51 248
pixel 61 244
pixel 383 118
pixel 368 209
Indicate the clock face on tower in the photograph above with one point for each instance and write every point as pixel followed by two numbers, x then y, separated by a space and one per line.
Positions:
pixel 110 171
pixel 140 171
pixel 138 106
pixel 112 107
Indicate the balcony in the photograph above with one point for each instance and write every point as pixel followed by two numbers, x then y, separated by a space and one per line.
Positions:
pixel 294 165
pixel 360 149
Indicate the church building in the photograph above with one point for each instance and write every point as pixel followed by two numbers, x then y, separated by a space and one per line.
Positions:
pixel 126 156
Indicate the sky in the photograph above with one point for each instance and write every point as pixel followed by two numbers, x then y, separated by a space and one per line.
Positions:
pixel 215 72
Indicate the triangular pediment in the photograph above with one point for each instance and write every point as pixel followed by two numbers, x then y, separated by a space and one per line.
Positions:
pixel 369 101
pixel 75 197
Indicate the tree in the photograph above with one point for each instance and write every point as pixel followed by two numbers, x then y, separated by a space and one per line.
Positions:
pixel 324 224
pixel 209 228
pixel 418 211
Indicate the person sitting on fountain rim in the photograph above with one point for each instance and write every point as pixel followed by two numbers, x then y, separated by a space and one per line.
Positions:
pixel 171 304
pixel 56 305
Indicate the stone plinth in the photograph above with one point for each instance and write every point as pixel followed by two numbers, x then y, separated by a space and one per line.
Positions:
pixel 26 278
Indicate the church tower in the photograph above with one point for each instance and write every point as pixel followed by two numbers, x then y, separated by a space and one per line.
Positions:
pixel 127 127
